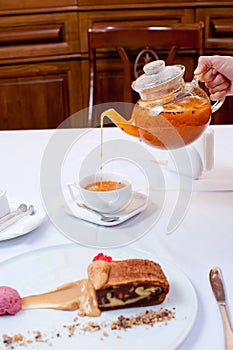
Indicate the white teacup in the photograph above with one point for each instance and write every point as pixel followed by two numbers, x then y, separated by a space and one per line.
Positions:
pixel 4 204
pixel 105 201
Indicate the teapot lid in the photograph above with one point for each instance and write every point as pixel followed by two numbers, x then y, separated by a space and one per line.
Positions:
pixel 156 75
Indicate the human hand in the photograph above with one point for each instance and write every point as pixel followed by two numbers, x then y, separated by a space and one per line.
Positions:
pixel 217 73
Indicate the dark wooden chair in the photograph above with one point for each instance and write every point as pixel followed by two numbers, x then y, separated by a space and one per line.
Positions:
pixel 149 40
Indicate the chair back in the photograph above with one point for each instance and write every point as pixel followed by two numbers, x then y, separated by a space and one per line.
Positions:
pixel 149 41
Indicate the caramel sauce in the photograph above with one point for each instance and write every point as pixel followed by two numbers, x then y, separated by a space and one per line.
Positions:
pixel 70 296
pixel 73 295
pixel 104 186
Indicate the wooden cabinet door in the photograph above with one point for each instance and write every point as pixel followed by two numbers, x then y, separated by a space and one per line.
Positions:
pixel 37 96
pixel 16 6
pixel 37 36
pixel 219 41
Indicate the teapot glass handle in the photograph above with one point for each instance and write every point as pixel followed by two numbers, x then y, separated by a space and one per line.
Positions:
pixel 217 105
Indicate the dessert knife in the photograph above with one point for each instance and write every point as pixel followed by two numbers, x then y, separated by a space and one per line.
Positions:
pixel 216 282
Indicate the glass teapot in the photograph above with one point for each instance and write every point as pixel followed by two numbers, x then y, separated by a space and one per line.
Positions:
pixel 170 113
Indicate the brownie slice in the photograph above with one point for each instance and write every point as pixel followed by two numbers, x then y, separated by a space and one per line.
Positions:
pixel 133 283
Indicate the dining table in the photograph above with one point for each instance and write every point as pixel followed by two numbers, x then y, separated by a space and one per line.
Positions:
pixel 187 226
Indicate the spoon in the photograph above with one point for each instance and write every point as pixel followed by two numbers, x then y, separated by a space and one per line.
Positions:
pixel 103 217
pixel 21 209
pixel 20 214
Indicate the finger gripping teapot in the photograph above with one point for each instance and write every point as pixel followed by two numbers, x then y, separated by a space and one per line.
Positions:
pixel 170 113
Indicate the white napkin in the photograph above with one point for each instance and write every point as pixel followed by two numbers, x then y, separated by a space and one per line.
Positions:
pixel 137 204
pixel 23 226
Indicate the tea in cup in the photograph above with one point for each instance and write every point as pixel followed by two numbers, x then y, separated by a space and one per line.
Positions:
pixel 104 192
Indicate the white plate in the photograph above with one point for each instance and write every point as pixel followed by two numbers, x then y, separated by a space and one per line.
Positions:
pixel 44 269
pixel 23 226
pixel 137 204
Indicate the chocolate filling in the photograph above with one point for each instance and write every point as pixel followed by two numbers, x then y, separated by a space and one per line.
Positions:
pixel 130 295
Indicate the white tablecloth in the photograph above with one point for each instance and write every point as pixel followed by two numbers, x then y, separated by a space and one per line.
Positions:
pixel 203 238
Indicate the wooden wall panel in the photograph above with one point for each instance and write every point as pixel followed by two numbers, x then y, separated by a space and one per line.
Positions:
pixel 218 28
pixel 27 6
pixel 44 53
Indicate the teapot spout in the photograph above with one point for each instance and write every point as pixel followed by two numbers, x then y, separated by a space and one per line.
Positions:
pixel 125 125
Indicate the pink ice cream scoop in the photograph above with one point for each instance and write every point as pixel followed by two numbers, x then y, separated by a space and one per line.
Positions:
pixel 10 301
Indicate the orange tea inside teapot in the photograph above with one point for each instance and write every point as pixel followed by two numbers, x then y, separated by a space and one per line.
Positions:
pixel 170 113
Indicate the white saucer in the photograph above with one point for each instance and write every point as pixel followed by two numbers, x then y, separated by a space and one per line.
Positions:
pixel 23 226
pixel 137 204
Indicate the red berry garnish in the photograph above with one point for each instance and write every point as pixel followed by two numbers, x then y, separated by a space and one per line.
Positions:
pixel 101 256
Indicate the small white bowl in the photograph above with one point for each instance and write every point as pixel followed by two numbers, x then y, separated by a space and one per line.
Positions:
pixel 106 201
pixel 4 204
